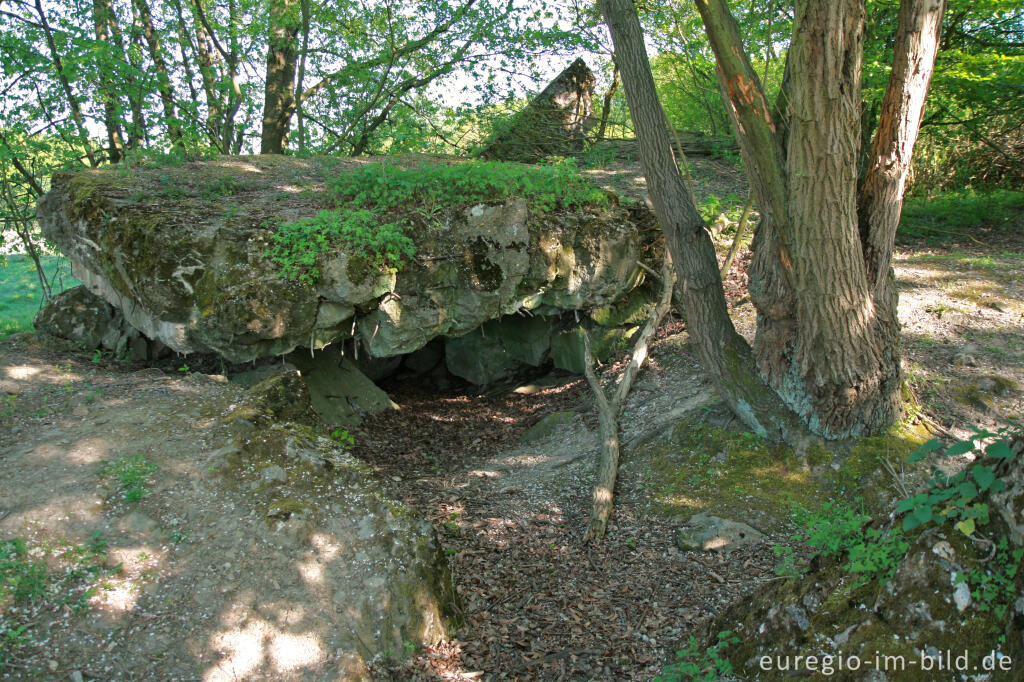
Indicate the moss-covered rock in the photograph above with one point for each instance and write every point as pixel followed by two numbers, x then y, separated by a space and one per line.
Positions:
pixel 182 253
pixel 552 423
pixel 568 352
pixel 382 574
pixel 951 607
pixel 79 316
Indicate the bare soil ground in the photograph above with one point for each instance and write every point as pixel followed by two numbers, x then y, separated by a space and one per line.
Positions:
pixel 188 587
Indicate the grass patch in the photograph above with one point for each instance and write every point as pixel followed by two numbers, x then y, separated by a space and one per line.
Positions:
pixel 374 208
pixel 131 474
pixel 39 577
pixel 20 293
pixel 955 214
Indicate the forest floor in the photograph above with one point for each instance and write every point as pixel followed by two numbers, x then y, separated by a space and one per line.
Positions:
pixel 537 604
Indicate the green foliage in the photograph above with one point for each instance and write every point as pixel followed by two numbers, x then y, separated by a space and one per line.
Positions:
pixel 55 575
pixel 343 438
pixel 712 206
pixel 693 663
pixel 959 213
pixel 875 553
pixel 131 473
pixel 836 530
pixel 22 577
pixel 956 498
pixel 993 587
pixel 375 208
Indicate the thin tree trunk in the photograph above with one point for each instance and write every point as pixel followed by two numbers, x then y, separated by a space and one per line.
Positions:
pixel 208 74
pixel 72 100
pixel 300 119
pixel 163 78
pixel 725 355
pixel 185 40
pixel 740 230
pixel 103 18
pixel 133 89
pixel 21 220
pixel 282 52
pixel 606 105
pixel 233 138
pixel 881 194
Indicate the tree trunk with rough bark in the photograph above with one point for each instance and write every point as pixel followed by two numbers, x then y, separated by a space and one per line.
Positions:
pixel 282 56
pixel 724 354
pixel 828 337
pixel 821 279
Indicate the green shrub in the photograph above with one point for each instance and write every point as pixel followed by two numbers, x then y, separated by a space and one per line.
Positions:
pixel 375 205
pixel 694 664
pixel 836 530
pixel 54 574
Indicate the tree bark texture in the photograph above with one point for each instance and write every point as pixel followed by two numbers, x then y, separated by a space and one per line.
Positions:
pixel 828 338
pixel 282 55
pixel 724 354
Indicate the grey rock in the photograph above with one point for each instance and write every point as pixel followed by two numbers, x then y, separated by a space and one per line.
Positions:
pixel 200 282
pixel 479 358
pixel 340 394
pixel 712 533
pixel 137 523
pixel 553 423
pixel 798 617
pixel 962 596
pixel 554 123
pixel 386 579
pixel 275 474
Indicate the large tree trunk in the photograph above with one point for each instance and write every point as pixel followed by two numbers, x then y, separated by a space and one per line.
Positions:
pixel 828 338
pixel 282 53
pixel 724 354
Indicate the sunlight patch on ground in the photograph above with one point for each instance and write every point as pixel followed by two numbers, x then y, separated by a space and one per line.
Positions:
pixel 246 649
pixel 21 372
pixel 89 451
pixel 139 564
pixel 238 164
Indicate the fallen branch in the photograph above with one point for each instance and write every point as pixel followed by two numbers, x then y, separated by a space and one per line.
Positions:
pixel 740 229
pixel 608 412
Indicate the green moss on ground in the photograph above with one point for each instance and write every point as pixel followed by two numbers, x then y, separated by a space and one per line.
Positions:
pixel 701 467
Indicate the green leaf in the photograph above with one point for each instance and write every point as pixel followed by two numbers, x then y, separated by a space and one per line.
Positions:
pixel 961 448
pixel 999 450
pixel 918 517
pixel 983 475
pixel 911 502
pixel 966 526
pixel 967 490
pixel 922 451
